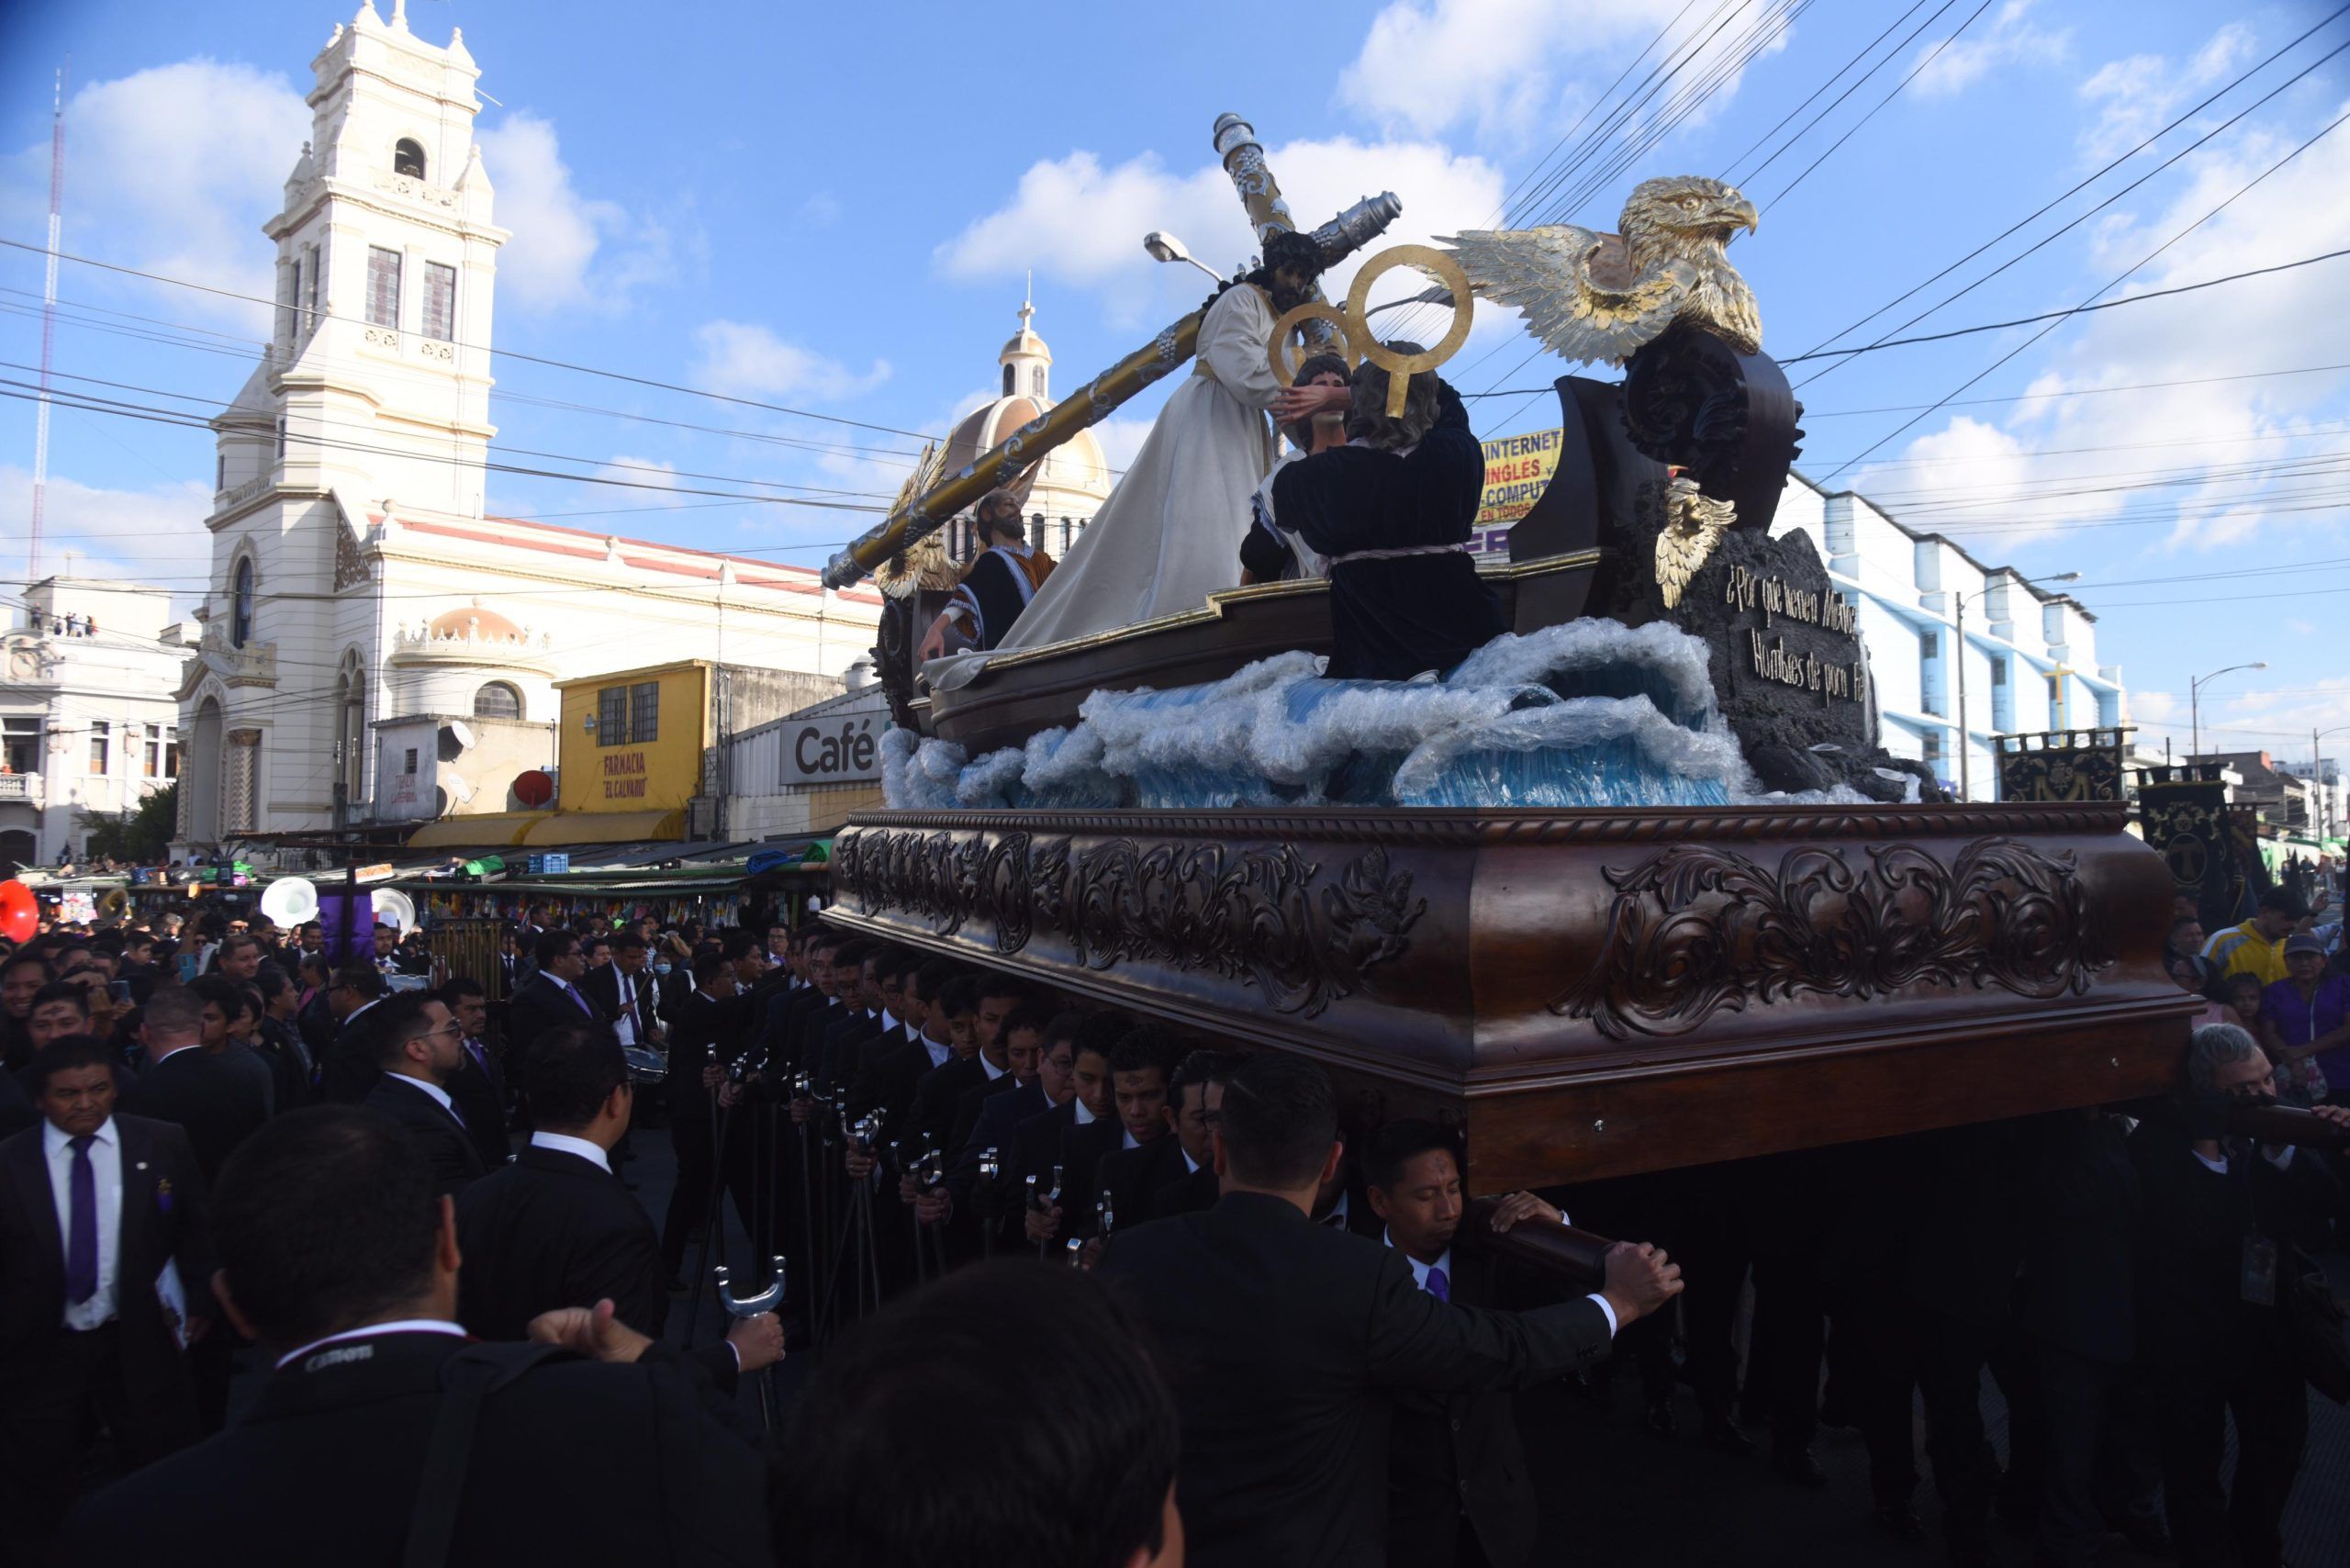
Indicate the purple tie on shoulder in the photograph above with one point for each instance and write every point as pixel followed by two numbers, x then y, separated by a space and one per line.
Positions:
pixel 1438 1286
pixel 82 1229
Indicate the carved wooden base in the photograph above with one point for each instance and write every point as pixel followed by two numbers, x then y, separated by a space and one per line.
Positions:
pixel 1593 993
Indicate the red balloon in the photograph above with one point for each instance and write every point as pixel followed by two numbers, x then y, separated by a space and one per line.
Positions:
pixel 19 911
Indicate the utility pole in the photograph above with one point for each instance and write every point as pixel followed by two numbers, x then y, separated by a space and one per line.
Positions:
pixel 47 326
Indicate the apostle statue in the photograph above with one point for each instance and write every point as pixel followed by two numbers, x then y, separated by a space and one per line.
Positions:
pixel 1004 575
pixel 1170 533
pixel 1391 513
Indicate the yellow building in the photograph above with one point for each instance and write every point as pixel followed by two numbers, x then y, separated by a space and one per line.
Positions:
pixel 634 750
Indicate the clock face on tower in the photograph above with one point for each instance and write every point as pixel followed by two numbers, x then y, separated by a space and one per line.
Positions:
pixel 24 662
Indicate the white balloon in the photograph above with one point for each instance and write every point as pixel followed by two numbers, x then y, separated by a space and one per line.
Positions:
pixel 290 900
pixel 394 907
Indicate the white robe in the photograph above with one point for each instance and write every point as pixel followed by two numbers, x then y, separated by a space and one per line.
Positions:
pixel 1170 534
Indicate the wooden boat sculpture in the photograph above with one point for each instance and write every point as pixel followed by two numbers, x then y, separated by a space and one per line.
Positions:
pixel 1589 993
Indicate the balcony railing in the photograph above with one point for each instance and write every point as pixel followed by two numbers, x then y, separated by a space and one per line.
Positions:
pixel 20 786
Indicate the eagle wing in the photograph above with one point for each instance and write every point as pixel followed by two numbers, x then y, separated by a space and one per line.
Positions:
pixel 1575 287
pixel 1694 524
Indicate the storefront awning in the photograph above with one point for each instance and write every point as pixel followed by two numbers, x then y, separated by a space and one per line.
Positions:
pixel 491 829
pixel 603 828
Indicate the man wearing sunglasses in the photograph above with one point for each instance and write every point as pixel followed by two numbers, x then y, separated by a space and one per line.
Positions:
pixel 420 1048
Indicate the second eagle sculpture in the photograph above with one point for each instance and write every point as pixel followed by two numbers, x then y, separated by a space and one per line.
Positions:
pixel 1600 297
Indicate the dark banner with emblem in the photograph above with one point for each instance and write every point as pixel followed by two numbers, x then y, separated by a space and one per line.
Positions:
pixel 2212 848
pixel 2062 765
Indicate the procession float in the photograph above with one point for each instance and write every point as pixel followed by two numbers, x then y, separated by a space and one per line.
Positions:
pixel 1631 887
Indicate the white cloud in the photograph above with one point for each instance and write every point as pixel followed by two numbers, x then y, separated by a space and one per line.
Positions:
pixel 1076 221
pixel 1507 66
pixel 2136 96
pixel 2012 38
pixel 2198 464
pixel 173 170
pixel 155 533
pixel 750 361
pixel 820 210
pixel 568 250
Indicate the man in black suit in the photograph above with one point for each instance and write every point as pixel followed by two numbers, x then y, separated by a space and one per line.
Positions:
pixel 334 1253
pixel 2211 1326
pixel 710 1029
pixel 1131 1156
pixel 347 1065
pixel 1024 1041
pixel 624 991
pixel 419 1049
pixel 550 999
pixel 556 1229
pixel 811 991
pixel 1194 1097
pixel 939 1094
pixel 479 1088
pixel 1040 1144
pixel 892 1066
pixel 96 1209
pixel 1285 1339
pixel 208 1099
pixel 1458 1492
pixel 996 1130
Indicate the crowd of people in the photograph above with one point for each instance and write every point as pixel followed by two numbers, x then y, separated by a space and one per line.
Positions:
pixel 305 1256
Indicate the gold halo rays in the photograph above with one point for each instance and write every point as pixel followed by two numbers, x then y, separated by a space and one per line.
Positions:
pixel 1401 367
pixel 1279 351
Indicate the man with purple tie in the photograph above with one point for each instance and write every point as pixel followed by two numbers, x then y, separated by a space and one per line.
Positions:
pixel 1458 1493
pixel 101 1220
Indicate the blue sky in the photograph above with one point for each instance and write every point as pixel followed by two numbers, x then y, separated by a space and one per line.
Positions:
pixel 835 209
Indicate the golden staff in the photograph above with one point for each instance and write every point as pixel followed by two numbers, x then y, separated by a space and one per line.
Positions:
pixel 928 512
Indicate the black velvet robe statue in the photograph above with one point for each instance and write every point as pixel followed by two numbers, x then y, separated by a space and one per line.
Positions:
pixel 1403 597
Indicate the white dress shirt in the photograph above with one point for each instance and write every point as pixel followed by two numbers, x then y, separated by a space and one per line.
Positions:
pixel 938 1051
pixel 564 1142
pixel 1084 1116
pixel 992 1071
pixel 105 1173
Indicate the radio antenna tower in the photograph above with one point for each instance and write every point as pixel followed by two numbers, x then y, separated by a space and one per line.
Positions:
pixel 47 328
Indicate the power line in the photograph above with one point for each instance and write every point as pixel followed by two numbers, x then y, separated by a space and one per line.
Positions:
pixel 2077 189
pixel 486 348
pixel 1867 50
pixel 1933 55
pixel 2066 227
pixel 2086 309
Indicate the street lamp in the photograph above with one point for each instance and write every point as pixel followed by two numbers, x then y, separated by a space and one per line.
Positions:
pixel 1165 247
pixel 1959 653
pixel 2195 709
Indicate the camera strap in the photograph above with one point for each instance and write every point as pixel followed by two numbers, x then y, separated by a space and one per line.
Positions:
pixel 468 1378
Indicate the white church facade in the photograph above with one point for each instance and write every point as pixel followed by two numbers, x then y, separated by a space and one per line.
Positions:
pixel 358 576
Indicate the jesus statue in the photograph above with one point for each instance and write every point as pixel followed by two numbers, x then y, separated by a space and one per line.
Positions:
pixel 1170 533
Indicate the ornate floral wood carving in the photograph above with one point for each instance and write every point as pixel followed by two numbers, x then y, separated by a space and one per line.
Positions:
pixel 1701 928
pixel 1262 917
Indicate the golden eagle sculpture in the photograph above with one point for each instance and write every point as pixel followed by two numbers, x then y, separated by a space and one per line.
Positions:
pixel 1690 524
pixel 1594 296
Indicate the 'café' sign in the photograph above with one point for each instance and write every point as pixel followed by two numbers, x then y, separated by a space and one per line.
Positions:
pixel 833 751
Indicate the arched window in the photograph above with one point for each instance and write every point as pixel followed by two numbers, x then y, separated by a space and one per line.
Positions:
pixel 407 159
pixel 1036 380
pixel 240 609
pixel 497 700
pixel 1007 381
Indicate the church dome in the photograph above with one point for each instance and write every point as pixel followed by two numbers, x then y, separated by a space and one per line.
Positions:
pixel 473 621
pixel 1074 477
